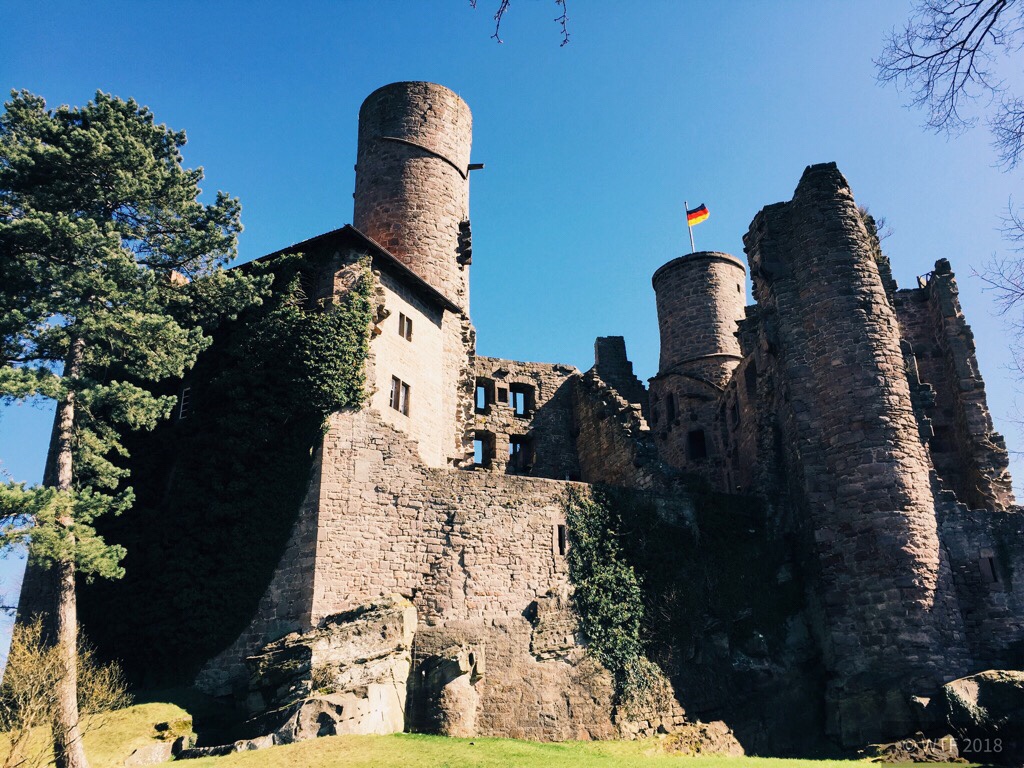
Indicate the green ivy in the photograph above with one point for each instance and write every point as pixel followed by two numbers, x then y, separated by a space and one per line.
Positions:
pixel 219 491
pixel 607 595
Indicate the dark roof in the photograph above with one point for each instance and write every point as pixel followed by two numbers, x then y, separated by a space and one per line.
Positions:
pixel 349 235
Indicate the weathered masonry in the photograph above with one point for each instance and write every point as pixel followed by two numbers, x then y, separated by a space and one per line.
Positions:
pixel 849 540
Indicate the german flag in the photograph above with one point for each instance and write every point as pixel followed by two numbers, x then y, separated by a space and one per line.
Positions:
pixel 697 215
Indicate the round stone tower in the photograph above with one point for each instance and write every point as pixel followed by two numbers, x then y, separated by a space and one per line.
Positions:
pixel 412 181
pixel 700 299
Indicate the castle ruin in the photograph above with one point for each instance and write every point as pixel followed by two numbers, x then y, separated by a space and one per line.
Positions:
pixel 850 412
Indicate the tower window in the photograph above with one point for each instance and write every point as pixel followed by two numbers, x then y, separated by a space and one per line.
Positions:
pixel 400 396
pixel 405 326
pixel 696 445
pixel 561 539
pixel 670 407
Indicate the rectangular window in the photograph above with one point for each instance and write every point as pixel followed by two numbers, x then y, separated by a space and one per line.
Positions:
pixel 185 403
pixel 399 395
pixel 670 407
pixel 696 445
pixel 987 563
pixel 484 394
pixel 483 448
pixel 562 540
pixel 520 453
pixel 520 398
pixel 404 326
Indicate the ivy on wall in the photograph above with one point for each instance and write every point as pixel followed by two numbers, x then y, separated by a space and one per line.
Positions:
pixel 219 490
pixel 608 598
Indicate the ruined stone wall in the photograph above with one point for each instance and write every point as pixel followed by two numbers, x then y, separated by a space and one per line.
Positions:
pixel 988 570
pixel 412 180
pixel 969 456
pixel 615 369
pixel 545 424
pixel 889 624
pixel 473 550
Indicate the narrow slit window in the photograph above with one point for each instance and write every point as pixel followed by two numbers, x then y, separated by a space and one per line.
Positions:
pixel 696 445
pixel 987 563
pixel 399 395
pixel 562 539
pixel 670 407
pixel 405 326
pixel 185 403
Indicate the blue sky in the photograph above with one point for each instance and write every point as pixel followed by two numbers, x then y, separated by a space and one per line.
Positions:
pixel 590 149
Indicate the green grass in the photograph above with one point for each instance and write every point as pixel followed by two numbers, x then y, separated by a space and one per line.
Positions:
pixel 440 752
pixel 111 737
pixel 124 731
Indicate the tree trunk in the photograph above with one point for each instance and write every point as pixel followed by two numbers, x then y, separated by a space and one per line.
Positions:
pixel 68 751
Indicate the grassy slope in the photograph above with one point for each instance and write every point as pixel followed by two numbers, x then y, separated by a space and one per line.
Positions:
pixel 124 731
pixel 113 736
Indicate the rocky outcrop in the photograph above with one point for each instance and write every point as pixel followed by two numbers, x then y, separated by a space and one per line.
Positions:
pixel 346 676
pixel 987 711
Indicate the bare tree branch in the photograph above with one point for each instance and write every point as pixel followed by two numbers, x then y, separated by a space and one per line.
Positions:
pixel 503 6
pixel 945 57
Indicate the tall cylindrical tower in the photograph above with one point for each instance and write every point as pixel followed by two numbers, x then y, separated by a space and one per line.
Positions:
pixel 700 300
pixel 412 181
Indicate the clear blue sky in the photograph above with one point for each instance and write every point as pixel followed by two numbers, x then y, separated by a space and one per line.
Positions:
pixel 590 148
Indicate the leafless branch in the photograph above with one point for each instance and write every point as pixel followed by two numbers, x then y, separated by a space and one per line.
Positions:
pixel 944 55
pixel 503 6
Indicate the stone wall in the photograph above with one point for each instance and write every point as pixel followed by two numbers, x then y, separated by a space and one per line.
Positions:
pixel 969 456
pixel 544 427
pixel 859 470
pixel 472 549
pixel 988 571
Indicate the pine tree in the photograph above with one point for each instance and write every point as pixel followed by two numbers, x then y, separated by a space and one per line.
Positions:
pixel 111 272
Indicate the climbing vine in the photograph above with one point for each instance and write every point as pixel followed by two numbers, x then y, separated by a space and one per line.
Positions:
pixel 608 598
pixel 224 481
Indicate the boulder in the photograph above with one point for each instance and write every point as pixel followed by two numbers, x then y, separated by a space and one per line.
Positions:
pixel 986 711
pixel 151 754
pixel 692 739
pixel 917 750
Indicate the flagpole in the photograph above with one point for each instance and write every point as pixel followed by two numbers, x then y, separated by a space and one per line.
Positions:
pixel 686 207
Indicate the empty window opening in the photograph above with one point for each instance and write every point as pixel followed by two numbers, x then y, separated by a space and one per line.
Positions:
pixel 987 563
pixel 400 396
pixel 404 326
pixel 561 539
pixel 734 413
pixel 520 453
pixel 941 441
pixel 520 398
pixel 484 394
pixel 483 448
pixel 670 407
pixel 750 381
pixel 185 403
pixel 654 416
pixel 739 288
pixel 696 445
